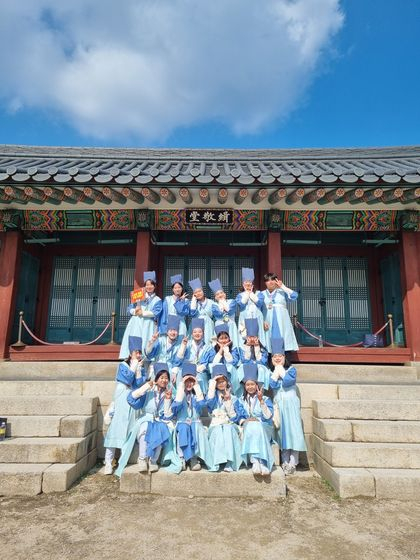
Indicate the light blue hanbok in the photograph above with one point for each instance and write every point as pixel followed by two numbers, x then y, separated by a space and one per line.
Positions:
pixel 224 432
pixel 202 311
pixel 250 309
pixel 257 434
pixel 231 362
pixel 290 433
pixel 191 435
pixel 200 356
pixel 227 317
pixel 143 326
pixel 168 308
pixel 124 416
pixel 165 351
pixel 264 375
pixel 277 316
pixel 159 429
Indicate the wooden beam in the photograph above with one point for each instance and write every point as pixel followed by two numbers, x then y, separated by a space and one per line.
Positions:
pixel 241 195
pixel 167 195
pixel 277 195
pixel 10 259
pixel 332 195
pixel 410 274
pixel 391 195
pixel 97 196
pixel 151 195
pixel 185 195
pixel 411 195
pixel 313 196
pixel 17 194
pixel 222 196
pixel 350 196
pixel 114 195
pixel 132 195
pixel 296 195
pixel 55 195
pixel 204 196
pixel 4 197
pixel 73 195
pixel 36 195
pixel 371 196
pixel 259 195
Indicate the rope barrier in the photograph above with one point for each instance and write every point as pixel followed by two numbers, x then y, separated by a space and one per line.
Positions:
pixel 319 339
pixel 53 344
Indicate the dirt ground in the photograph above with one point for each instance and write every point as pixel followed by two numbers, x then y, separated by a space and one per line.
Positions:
pixel 94 520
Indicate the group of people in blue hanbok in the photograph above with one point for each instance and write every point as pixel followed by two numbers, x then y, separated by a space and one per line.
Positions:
pixel 184 357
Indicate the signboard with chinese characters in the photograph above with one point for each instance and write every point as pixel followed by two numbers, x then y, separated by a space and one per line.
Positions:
pixel 208 217
pixel 216 218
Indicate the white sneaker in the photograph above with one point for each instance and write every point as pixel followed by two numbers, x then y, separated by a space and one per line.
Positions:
pixel 183 465
pixel 195 464
pixel 265 470
pixel 256 467
pixel 108 468
pixel 142 465
pixel 153 467
pixel 228 468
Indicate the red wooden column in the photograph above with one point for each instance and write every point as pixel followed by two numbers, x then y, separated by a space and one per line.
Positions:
pixel 410 276
pixel 142 257
pixel 10 252
pixel 274 253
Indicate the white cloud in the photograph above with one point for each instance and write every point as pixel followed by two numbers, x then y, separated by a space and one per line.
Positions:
pixel 142 68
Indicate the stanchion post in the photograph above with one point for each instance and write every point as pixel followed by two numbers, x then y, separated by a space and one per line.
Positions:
pixel 391 330
pixel 113 314
pixel 19 342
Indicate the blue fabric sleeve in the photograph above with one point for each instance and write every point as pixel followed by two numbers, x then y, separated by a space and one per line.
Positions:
pixel 269 404
pixel 139 381
pixel 212 403
pixel 290 378
pixel 198 405
pixel 275 385
pixel 157 308
pixel 125 375
pixel 182 307
pixel 239 303
pixel 260 302
pixel 215 311
pixel 239 409
pixel 207 356
pixel 235 355
pixel 154 351
pixel 264 357
pixel 163 320
pixel 177 407
pixel 130 307
pixel 293 296
pixel 136 403
pixel 232 306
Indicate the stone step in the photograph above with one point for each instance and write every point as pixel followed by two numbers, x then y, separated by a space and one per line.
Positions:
pixel 47 406
pixel 58 370
pixel 367 410
pixel 50 426
pixel 351 373
pixel 46 450
pixel 379 392
pixel 21 479
pixel 380 431
pixel 60 476
pixel 373 455
pixel 86 388
pixel 205 484
pixel 397 484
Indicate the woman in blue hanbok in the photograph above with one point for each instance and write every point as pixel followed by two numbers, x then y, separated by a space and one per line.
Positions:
pixel 224 352
pixel 257 423
pixel 199 307
pixel 191 437
pixel 165 348
pixel 277 323
pixel 288 432
pixel 224 311
pixel 145 315
pixel 195 350
pixel 250 304
pixel 154 428
pixel 225 411
pixel 120 416
pixel 168 306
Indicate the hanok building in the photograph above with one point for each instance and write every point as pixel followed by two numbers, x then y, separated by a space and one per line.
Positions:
pixel 78 226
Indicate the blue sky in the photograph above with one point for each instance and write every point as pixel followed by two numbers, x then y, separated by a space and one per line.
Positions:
pixel 311 73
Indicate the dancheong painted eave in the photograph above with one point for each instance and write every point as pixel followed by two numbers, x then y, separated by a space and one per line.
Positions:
pixel 345 176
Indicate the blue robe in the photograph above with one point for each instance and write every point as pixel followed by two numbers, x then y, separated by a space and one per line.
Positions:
pixel 159 430
pixel 227 318
pixel 124 416
pixel 190 433
pixel 224 440
pixel 141 326
pixel 201 357
pixel 256 437
pixel 162 351
pixel 290 433
pixel 277 316
pixel 168 308
pixel 251 310
pixel 264 375
pixel 203 310
pixel 231 367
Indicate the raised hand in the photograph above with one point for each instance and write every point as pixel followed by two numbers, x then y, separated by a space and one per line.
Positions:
pixel 260 394
pixel 226 396
pixel 168 394
pixel 279 283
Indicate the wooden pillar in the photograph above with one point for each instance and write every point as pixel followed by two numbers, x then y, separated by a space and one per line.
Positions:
pixel 10 254
pixel 274 253
pixel 142 257
pixel 410 276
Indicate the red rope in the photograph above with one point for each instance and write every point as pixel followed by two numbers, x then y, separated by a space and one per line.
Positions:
pixel 337 345
pixel 52 344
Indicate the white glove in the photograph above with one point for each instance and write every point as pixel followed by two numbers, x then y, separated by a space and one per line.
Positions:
pixel 253 297
pixel 198 392
pixel 227 354
pixel 245 297
pixel 265 410
pixel 193 304
pixel 133 311
pixel 247 352
pixel 287 290
pixel 147 313
pixel 133 364
pixel 212 389
pixel 201 368
pixel 141 391
pixel 278 372
pixel 258 354
pixel 217 358
pixel 181 351
pixel 180 392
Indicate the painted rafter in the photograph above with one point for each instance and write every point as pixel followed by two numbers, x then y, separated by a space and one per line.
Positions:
pixel 185 195
pixel 151 195
pixel 167 195
pixel 277 196
pixel 314 195
pixel 133 195
pixel 204 196
pixel 114 195
pixel 295 196
pixel 259 195
pixel 222 196
pixel 353 195
pixel 241 195
pixel 332 195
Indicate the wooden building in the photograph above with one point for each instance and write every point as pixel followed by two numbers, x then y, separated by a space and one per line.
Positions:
pixel 78 226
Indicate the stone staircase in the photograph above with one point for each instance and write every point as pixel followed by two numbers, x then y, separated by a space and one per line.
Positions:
pixel 51 439
pixel 366 442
